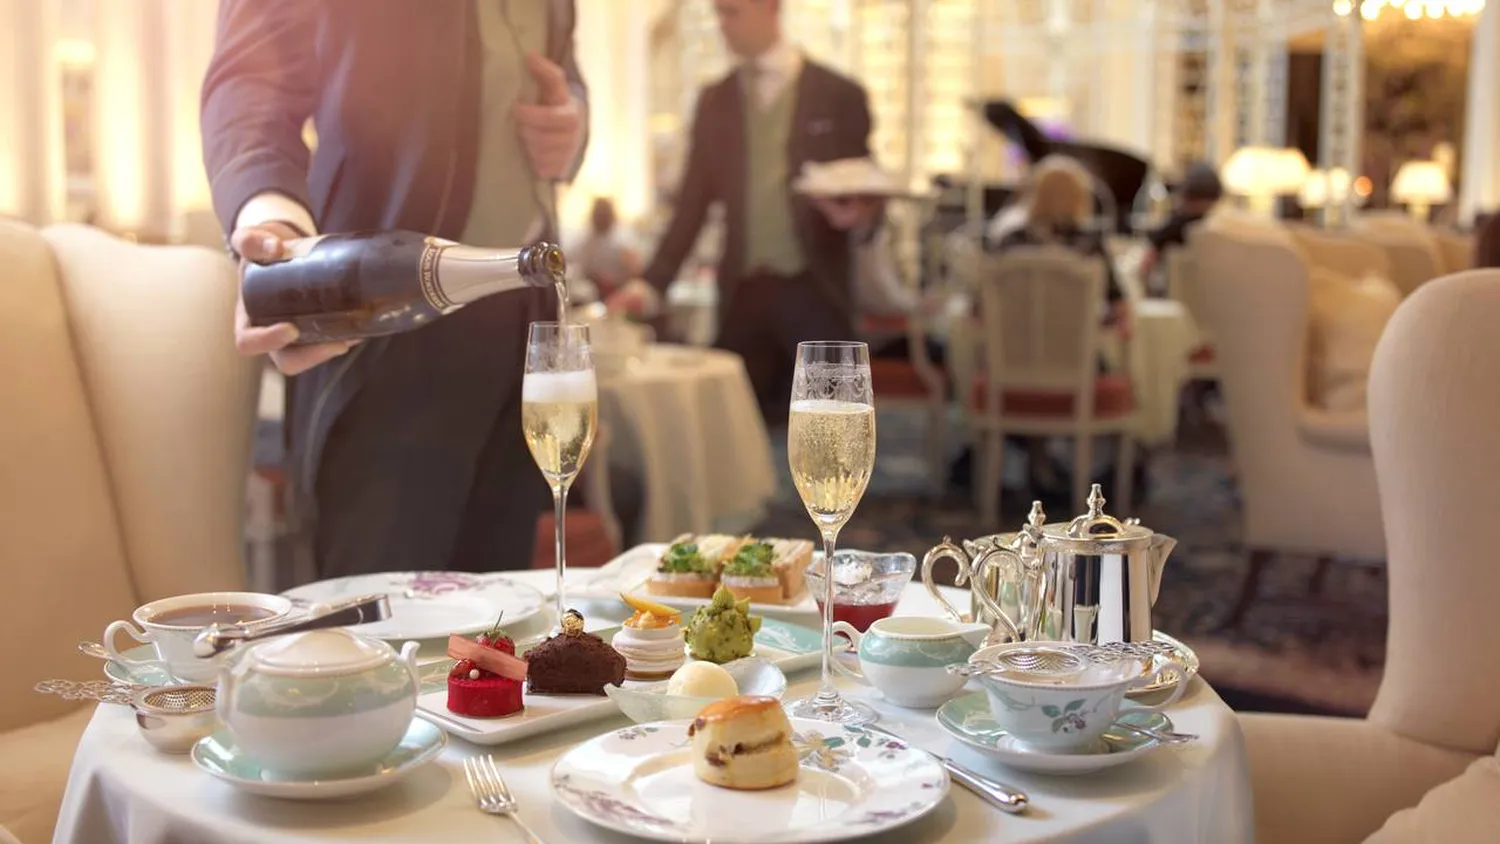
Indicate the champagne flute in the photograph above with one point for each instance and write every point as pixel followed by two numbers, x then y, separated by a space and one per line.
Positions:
pixel 559 414
pixel 831 449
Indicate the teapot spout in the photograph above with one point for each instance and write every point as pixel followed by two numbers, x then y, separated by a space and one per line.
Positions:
pixel 974 633
pixel 1161 548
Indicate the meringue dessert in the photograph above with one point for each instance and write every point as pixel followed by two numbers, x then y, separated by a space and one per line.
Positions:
pixel 743 743
pixel 703 679
pixel 651 640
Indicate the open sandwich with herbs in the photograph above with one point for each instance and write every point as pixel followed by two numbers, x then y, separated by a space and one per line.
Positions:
pixel 766 571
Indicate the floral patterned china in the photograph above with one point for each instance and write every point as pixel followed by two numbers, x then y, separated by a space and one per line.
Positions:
pixel 907 657
pixel 1064 714
pixel 218 756
pixel 319 703
pixel 969 720
pixel 431 604
pixel 851 784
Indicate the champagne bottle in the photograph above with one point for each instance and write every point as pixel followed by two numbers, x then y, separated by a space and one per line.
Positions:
pixel 367 284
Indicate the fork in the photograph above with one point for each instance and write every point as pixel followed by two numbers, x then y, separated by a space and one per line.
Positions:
pixel 491 793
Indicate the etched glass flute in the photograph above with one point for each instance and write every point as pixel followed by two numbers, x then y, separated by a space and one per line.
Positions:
pixel 559 415
pixel 831 449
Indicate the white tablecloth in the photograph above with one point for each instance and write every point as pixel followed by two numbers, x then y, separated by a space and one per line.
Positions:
pixel 122 792
pixel 685 419
pixel 1164 337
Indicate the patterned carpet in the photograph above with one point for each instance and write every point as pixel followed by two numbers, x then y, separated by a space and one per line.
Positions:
pixel 1289 655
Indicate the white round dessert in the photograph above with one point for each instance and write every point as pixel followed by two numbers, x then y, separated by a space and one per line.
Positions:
pixel 703 680
pixel 651 652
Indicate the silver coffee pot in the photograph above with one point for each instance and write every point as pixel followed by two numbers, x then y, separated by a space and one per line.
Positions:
pixel 1093 579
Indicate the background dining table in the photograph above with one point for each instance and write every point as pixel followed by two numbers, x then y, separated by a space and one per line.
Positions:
pixel 121 791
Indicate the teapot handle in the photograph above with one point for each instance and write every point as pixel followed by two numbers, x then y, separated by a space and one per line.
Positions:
pixel 987 600
pixel 409 658
pixel 946 550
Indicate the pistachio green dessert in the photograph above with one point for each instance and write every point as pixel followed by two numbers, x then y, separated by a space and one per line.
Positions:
pixel 723 631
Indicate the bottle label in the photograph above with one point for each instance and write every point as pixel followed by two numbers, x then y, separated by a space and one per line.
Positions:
pixel 427 273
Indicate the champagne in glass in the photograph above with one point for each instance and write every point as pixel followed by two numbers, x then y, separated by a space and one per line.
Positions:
pixel 831 449
pixel 559 415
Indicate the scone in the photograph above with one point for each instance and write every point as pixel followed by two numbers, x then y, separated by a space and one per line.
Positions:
pixel 744 743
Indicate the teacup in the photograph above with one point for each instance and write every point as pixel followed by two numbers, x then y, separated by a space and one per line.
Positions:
pixel 907 657
pixel 170 624
pixel 1067 713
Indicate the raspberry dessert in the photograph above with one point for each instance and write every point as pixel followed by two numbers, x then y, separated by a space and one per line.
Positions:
pixel 483 683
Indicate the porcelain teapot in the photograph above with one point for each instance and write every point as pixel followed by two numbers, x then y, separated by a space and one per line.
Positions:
pixel 1093 579
pixel 320 702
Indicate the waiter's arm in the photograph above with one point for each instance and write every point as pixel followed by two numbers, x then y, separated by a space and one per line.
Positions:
pixel 691 210
pixel 257 95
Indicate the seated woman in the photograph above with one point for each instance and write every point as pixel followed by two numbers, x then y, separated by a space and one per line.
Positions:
pixel 1058 202
pixel 604 257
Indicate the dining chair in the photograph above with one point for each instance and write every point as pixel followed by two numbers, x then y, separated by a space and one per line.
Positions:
pixel 1040 313
pixel 1184 285
pixel 127 417
pixel 1422 766
pixel 1305 476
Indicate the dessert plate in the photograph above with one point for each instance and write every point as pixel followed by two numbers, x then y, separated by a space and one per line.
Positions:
pixel 629 572
pixel 431 604
pixel 968 719
pixel 851 784
pixel 220 758
pixel 786 646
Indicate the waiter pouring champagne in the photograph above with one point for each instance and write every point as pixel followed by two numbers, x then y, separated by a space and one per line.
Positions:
pixel 404 449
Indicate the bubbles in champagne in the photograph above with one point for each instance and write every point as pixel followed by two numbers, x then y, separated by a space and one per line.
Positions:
pixel 831 450
pixel 559 413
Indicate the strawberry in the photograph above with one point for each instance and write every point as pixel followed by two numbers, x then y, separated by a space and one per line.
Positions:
pixel 461 668
pixel 497 639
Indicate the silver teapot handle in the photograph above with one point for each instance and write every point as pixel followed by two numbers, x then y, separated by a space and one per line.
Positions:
pixel 986 599
pixel 967 571
pixel 945 550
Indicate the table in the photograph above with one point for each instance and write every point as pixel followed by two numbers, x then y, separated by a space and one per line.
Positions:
pixel 122 792
pixel 686 421
pixel 1164 336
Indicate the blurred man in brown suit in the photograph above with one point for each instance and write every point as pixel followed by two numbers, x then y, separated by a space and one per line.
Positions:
pixel 785 275
pixel 453 119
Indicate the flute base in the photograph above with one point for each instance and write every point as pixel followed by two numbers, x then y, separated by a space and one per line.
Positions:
pixel 833 709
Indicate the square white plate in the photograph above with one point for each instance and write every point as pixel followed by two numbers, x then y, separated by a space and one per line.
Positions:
pixel 788 646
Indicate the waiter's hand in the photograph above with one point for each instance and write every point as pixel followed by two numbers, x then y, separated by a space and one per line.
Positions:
pixel 266 242
pixel 848 213
pixel 634 298
pixel 552 129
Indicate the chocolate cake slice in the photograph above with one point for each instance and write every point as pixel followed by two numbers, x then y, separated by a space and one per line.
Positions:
pixel 573 662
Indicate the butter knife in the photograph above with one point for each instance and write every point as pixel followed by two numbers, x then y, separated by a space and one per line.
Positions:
pixel 1006 798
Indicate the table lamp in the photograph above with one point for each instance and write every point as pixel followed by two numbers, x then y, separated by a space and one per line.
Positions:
pixel 1419 185
pixel 1261 174
pixel 1326 190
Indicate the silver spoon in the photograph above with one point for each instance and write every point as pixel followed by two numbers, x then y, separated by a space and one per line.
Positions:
pixel 95 650
pixel 1163 736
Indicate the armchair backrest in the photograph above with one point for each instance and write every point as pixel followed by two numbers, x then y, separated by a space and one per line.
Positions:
pixel 1434 414
pixel 127 416
pixel 1040 307
pixel 1414 256
pixel 1347 256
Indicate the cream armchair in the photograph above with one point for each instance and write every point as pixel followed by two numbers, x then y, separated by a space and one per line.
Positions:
pixel 126 420
pixel 1433 417
pixel 1306 476
pixel 1414 254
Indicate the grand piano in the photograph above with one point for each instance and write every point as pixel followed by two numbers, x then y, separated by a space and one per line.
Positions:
pixel 1120 175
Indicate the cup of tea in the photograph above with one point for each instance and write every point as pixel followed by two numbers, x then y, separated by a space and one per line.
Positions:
pixel 866 586
pixel 169 626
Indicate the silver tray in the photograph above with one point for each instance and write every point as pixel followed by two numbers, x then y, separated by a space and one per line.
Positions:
pixel 1182 665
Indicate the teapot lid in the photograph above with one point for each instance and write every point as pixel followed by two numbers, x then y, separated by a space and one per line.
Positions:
pixel 1097 527
pixel 319 653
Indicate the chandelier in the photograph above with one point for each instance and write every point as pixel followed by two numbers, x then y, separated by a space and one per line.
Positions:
pixel 1413 9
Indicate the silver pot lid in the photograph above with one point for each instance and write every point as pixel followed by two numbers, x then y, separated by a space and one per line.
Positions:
pixel 1096 532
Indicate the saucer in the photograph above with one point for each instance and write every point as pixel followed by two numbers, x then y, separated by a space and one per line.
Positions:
pixel 968 719
pixel 219 756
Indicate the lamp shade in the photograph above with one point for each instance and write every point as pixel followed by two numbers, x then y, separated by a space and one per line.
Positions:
pixel 1421 183
pixel 1324 187
pixel 1265 171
